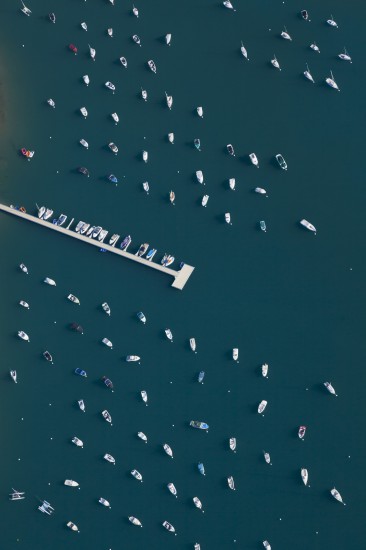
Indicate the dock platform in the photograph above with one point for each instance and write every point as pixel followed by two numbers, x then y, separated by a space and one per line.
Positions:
pixel 180 277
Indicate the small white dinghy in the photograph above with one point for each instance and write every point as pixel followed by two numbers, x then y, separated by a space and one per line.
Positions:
pixel 168 334
pixel 227 4
pixel 308 226
pixel 198 503
pixel 104 502
pixel 13 374
pixel 330 388
pixel 285 34
pixel 308 74
pixel 84 112
pixel 107 343
pixel 200 111
pixel 199 176
pixel 84 26
pixel 168 39
pixel 71 483
pixel 110 32
pixel 228 218
pixel 172 489
pixel 192 344
pixel 135 521
pixel 171 138
pixel 231 483
pixel 24 304
pixel 254 160
pixel 144 94
pixel 260 191
pixel 265 370
pixel 304 476
pixel 236 354
pixel 331 22
pixel 146 187
pixel 244 52
pixel 115 118
pixel 81 405
pixel 336 494
pixel 314 47
pixel 261 407
pixel 110 458
pixel 51 103
pixel 145 156
pixel 142 436
pixel 275 63
pixel 86 79
pixel 205 200
pixel 23 335
pixel 169 100
pixel 135 11
pixel 232 184
pixel 73 299
pixel 168 450
pixel 232 444
pixel 72 526
pixel 92 52
pixel 84 143
pixel 76 441
pixel 24 268
pixel 49 281
pixel 137 475
pixel 267 458
pixel 144 396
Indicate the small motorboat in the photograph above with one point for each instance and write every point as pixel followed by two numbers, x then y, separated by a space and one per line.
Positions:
pixel 107 382
pixel 95 234
pixel 110 86
pixel 84 26
pixel 308 74
pixel 142 436
pixel 136 475
pixel 23 335
pixel 227 4
pixel 110 32
pixel 142 249
pixel 232 444
pixel 76 441
pixel 171 138
pixel 49 281
pixel 86 79
pixel 201 468
pixel 81 405
pixel 107 417
pixel 172 489
pixel 304 476
pixel 13 374
pixel 200 111
pixel 261 407
pixel 144 396
pixel 144 94
pixel 199 425
pixel 135 11
pixel 110 458
pixel 301 432
pixel 172 197
pixel 230 149
pixel 104 502
pixel 47 356
pixel 113 179
pixel 281 161
pixel 81 372
pixel 244 51
pixel 330 388
pixel 304 14
pixel 199 176
pixel 61 220
pixel 266 545
pixel 332 83
pixel 197 546
pixel 169 527
pixel 168 39
pixel 345 56
pixel 84 112
pixel 331 22
pixel 197 144
pixel 107 343
pixel 24 268
pixel 169 100
pixel 151 254
pixel 285 34
pixel 228 218
pixel 265 370
pixel 73 299
pixel 141 316
pixel 198 503
pixel 231 483
pixel 51 103
pixel 169 260
pixel 106 308
pixel 201 376
pixel 113 147
pixel 73 48
pixel 123 61
pixel 71 483
pixel 132 358
pixel 146 187
pixel 152 65
pixel 314 47
pixel 136 39
pixel 168 450
pixel 84 143
pixel 267 458
pixel 24 304
pixel 77 328
pixel 113 240
pixel 25 10
pixel 168 334
pixel 92 52
pixel 135 521
pixel 145 156
pixel 72 526
pixel 192 344
pixel 262 225
pixel 115 118
pixel 308 226
pixel 41 212
pixel 236 354
pixel 48 213
pixel 205 200
pixel 337 495
pixel 275 63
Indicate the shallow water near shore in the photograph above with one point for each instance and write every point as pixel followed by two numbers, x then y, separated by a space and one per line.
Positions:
pixel 285 297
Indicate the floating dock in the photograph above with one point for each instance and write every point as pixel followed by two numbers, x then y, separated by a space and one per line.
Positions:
pixel 180 277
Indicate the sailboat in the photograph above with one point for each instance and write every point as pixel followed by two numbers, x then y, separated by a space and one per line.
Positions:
pixel 304 476
pixel 168 39
pixel 308 74
pixel 331 22
pixel 200 112
pixel 92 52
pixel 286 35
pixel 337 495
pixel 275 63
pixel 172 197
pixel 16 495
pixel 332 83
pixel 244 52
pixel 345 56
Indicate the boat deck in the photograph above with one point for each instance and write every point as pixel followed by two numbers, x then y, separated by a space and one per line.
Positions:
pixel 180 277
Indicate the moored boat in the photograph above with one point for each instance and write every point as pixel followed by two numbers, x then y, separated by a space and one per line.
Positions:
pixel 244 52
pixel 199 425
pixel 47 356
pixel 71 483
pixel 168 39
pixel 84 26
pixel 125 243
pixel 86 79
pixel 144 94
pixel 25 10
pixel 73 299
pixel 308 226
pixel 106 308
pixel 232 444
pixel 308 74
pixel 330 388
pixel 81 405
pixel 314 47
pixel 142 249
pixel 146 187
pixel 227 4
pixel 345 56
pixel 113 147
pixel 197 144
pixel 104 502
pixel 281 161
pixel 92 52
pixel 142 436
pixel 172 197
pixel 228 218
pixel 336 494
pixel 205 200
pixel 51 103
pixel 265 370
pixel 199 176
pixel 192 344
pixel 80 372
pixel 151 254
pixel 200 111
pixel 168 450
pixel 23 335
pixel 107 382
pixel 24 304
pixel 169 100
pixel 171 138
pixel 231 483
pixel 110 458
pixel 76 441
pixel 135 11
pixel 198 503
pixel 332 23
pixel 169 527
pixel 332 83
pixel 144 396
pixel 262 405
pixel 123 61
pixel 114 238
pixel 275 63
pixel 136 475
pixel 72 526
pixel 73 48
pixel 76 327
pixel 13 374
pixel 304 476
pixel 254 160
pixel 107 417
pixel 236 354
pixel 266 545
pixel 201 376
pixel 84 143
pixel 267 458
pixel 172 489
pixel 168 334
pixel 136 39
pixel 49 281
pixel 107 343
pixel 110 32
pixel 301 432
pixel 24 268
pixel 141 316
pixel 152 65
pixel 84 112
pixel 230 149
pixel 132 358
pixel 135 521
pixel 145 156
pixel 304 14
pixel 285 34
pixel 201 468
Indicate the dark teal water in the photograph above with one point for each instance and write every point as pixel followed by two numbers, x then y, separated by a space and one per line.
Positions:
pixel 285 297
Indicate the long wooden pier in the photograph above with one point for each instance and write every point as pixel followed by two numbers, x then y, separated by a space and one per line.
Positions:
pixel 180 277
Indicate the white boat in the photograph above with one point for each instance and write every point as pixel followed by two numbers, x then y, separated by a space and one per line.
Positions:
pixel 332 83
pixel 84 112
pixel 25 10
pixel 23 335
pixel 197 546
pixel 107 417
pixel 142 436
pixel 267 458
pixel 41 211
pixel 146 187
pixel 199 176
pixel 109 458
pixel 72 526
pixel 141 317
pixel 265 370
pixel 169 527
pixel 331 22
pixel 200 111
pixel 17 495
pixel 244 51
pixel 308 74
pixel 304 476
pixel 123 61
pixel 84 143
pixel 266 545
pixel 236 354
pixel 144 94
pixel 145 156
pixel 275 63
pixel 193 345
pixel 110 32
pixel 135 11
pixel 171 138
pixel 197 503
pixel 71 483
pixel 24 268
pixel 136 39
pixel 107 343
pixel 168 39
pixel 254 160
pixel 232 444
pixel 136 475
pixel 84 26
pixel 102 235
pixel 152 65
pixel 92 52
pixel 73 299
pixel 281 161
pixel 135 521
pixel 168 449
pixel 77 442
pixel 24 304
pixel 205 200
pixel 330 388
pixel 232 184
pixel 132 358
pixel 172 489
pixel 228 5
pixel 104 502
pixel 314 47
pixel 81 405
pixel 49 281
pixel 168 334
pixel 115 118
pixel 110 86
pixel 345 56
pixel 337 495
pixel 51 103
pixel 48 213
pixel 308 225
pixel 261 407
pixel 106 308
pixel 13 374
pixel 169 100
pixel 228 218
pixel 285 34
pixel 144 396
pixel 231 483
pixel 86 79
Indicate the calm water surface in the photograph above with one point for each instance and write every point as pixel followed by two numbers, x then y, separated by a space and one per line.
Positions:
pixel 285 297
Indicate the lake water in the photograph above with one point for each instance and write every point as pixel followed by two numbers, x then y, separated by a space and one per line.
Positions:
pixel 285 297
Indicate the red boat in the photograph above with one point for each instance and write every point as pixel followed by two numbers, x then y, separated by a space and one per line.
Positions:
pixel 302 431
pixel 73 48
pixel 24 151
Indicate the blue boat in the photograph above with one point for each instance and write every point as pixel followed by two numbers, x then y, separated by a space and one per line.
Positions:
pixel 201 468
pixel 81 372
pixel 113 178
pixel 199 425
pixel 151 254
pixel 141 316
pixel 125 243
pixel 201 376
pixel 197 144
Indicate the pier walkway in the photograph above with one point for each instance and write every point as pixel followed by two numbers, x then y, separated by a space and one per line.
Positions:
pixel 180 277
